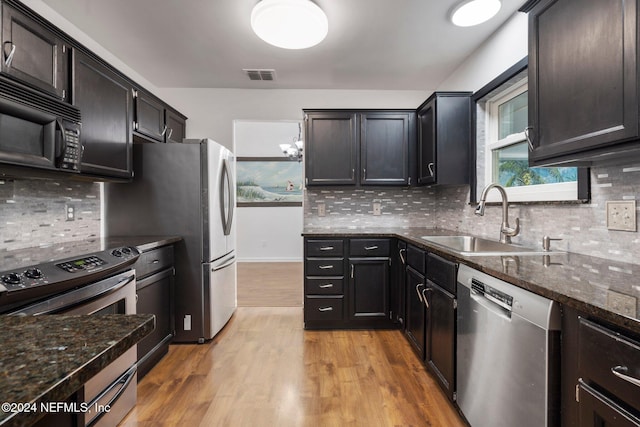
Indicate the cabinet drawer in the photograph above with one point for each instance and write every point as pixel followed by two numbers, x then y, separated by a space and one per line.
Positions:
pixel 602 354
pixel 329 308
pixel 153 261
pixel 442 272
pixel 369 247
pixel 324 286
pixel 416 258
pixel 324 266
pixel 324 247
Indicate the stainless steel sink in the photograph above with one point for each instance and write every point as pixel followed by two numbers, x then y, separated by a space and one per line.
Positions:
pixel 477 246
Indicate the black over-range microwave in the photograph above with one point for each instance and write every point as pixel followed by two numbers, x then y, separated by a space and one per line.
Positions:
pixel 37 131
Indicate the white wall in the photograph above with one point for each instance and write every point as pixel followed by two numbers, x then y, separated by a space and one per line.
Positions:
pixel 503 49
pixel 267 233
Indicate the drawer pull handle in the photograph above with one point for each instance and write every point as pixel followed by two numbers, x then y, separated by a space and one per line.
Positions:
pixel 418 291
pixel 328 285
pixel 323 309
pixel 618 372
pixel 370 248
pixel 326 248
pixel 155 261
pixel 325 267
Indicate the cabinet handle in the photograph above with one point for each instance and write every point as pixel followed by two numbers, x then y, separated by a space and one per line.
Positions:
pixel 424 297
pixel 353 174
pixel 155 261
pixel 164 130
pixel 323 309
pixel 325 267
pixel 328 285
pixel 430 167
pixel 370 248
pixel 364 174
pixel 618 372
pixel 528 137
pixel 404 261
pixel 170 133
pixel 9 58
pixel 352 271
pixel 326 248
pixel 418 291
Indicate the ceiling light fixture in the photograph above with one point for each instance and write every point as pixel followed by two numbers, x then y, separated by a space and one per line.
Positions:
pixel 289 24
pixel 474 12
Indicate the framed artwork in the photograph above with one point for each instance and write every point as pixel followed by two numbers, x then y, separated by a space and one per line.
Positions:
pixel 268 181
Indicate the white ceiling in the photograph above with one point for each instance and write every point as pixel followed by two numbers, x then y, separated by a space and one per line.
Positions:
pixel 372 44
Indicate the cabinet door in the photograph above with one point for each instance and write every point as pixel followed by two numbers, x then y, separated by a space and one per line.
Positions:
pixel 369 290
pixel 330 157
pixel 176 127
pixel 149 116
pixel 33 54
pixel 427 143
pixel 154 297
pixel 596 410
pixel 384 149
pixel 415 313
pixel 582 76
pixel 441 336
pixel 105 101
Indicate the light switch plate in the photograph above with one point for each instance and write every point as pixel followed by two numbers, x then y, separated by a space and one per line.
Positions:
pixel 377 209
pixel 621 215
pixel 621 303
pixel 322 209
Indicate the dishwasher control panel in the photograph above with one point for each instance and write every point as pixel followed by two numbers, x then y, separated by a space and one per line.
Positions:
pixel 502 299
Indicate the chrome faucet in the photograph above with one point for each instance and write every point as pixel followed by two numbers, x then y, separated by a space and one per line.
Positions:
pixel 506 232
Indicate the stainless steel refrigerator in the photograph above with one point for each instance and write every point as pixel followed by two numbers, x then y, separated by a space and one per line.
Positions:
pixel 185 189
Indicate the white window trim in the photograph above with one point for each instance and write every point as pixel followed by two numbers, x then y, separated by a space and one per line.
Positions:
pixel 532 193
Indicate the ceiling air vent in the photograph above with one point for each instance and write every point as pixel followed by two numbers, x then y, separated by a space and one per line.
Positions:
pixel 260 74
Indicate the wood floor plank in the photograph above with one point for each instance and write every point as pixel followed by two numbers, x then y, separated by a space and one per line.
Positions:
pixel 264 369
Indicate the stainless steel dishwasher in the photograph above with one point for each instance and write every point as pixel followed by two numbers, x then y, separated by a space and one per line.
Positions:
pixel 508 344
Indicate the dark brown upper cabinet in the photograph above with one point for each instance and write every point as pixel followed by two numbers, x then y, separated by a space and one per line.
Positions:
pixel 33 53
pixel 583 81
pixel 359 147
pixel 104 98
pixel 154 121
pixel 444 138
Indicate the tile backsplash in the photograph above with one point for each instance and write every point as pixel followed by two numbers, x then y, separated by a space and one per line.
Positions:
pixel 581 226
pixel 32 212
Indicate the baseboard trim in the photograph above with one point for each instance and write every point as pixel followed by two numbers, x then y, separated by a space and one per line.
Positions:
pixel 269 259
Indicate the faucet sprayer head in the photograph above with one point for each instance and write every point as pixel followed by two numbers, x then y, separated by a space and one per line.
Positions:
pixel 480 208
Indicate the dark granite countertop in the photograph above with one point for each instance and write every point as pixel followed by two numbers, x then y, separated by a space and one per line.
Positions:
pixel 48 358
pixel 600 287
pixel 20 258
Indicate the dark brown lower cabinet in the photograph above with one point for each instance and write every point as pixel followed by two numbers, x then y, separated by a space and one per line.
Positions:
pixel 369 291
pixel 597 410
pixel 415 319
pixel 440 343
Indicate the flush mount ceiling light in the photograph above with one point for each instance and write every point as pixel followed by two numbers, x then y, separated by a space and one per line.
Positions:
pixel 474 12
pixel 289 24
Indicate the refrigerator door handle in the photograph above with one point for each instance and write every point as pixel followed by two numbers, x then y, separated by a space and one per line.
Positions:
pixel 224 263
pixel 227 201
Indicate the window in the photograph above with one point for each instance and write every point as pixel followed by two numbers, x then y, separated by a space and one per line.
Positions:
pixel 507 152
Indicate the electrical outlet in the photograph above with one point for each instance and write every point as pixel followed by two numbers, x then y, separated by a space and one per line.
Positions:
pixel 621 215
pixel 377 209
pixel 70 212
pixel 322 209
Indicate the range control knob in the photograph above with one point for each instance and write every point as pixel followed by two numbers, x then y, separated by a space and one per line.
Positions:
pixel 116 252
pixel 126 250
pixel 33 273
pixel 11 279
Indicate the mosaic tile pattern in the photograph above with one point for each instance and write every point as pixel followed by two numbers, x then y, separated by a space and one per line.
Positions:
pixel 32 212
pixel 581 226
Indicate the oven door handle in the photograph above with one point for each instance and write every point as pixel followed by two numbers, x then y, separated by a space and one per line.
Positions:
pixel 78 296
pixel 123 382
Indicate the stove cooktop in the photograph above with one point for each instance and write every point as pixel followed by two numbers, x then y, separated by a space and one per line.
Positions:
pixel 26 282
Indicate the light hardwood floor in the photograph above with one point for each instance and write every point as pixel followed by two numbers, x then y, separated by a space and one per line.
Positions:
pixel 270 284
pixel 264 369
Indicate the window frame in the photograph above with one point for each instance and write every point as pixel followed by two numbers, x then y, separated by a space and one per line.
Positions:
pixel 574 192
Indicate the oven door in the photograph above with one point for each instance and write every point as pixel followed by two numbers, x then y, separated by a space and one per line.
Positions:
pixel 111 393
